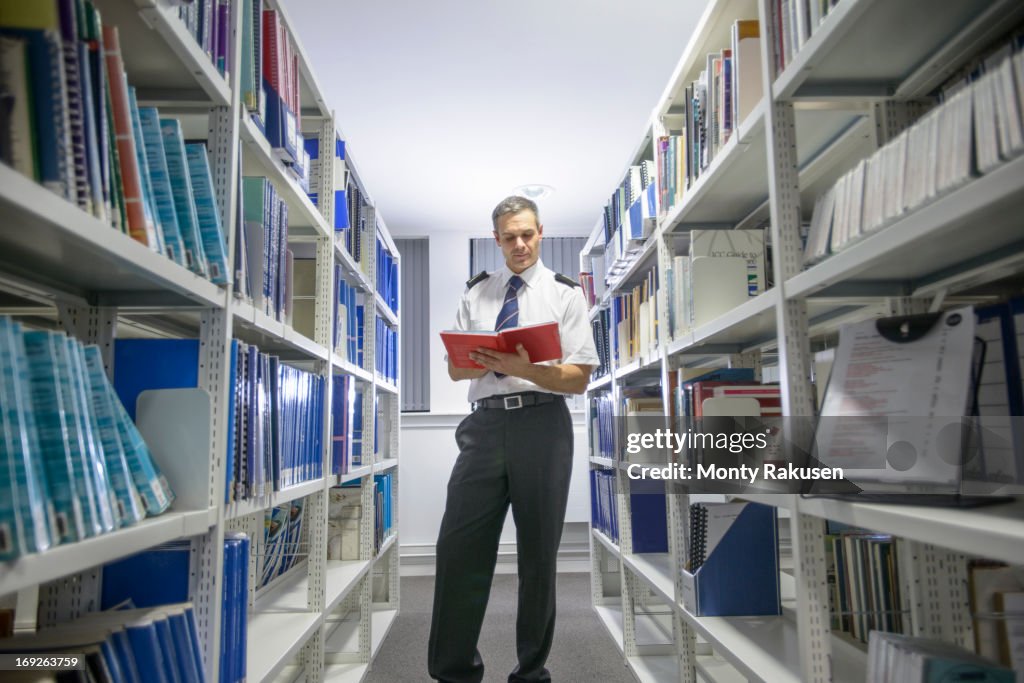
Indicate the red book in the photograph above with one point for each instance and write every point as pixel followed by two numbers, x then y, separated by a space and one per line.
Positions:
pixel 540 341
pixel 273 57
pixel 140 226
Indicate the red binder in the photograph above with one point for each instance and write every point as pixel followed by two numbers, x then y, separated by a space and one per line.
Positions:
pixel 541 341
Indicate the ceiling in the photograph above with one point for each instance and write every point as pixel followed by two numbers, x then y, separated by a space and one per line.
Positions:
pixel 447 106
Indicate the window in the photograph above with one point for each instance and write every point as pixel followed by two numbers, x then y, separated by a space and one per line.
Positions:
pixel 560 254
pixel 415 322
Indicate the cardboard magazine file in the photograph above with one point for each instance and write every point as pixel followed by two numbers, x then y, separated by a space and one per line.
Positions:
pixel 739 575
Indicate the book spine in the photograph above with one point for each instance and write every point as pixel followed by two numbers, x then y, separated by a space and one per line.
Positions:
pixel 139 228
pixel 184 195
pixel 207 212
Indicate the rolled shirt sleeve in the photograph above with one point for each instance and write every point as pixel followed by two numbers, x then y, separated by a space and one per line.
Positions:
pixel 577 335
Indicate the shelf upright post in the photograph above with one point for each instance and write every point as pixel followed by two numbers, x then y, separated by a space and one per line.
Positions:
pixel 935 593
pixel 676 498
pixel 367 547
pixel 214 354
pixel 323 333
pixel 813 625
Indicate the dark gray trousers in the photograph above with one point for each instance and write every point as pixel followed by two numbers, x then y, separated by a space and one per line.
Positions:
pixel 520 457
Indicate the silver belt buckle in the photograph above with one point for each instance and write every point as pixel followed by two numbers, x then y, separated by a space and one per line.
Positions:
pixel 513 402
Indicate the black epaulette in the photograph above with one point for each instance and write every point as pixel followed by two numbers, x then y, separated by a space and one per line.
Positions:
pixel 476 279
pixel 567 280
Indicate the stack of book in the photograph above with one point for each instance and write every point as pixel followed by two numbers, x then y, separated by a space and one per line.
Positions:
pixel 209 22
pixel 978 127
pixel 159 579
pixel 356 434
pixel 274 417
pixel 797 21
pixel 601 328
pixel 283 543
pixel 693 387
pixel 124 645
pixel 346 336
pixel 77 465
pixel 721 98
pixel 635 316
pixel 602 425
pixel 382 488
pixel 894 658
pixel 342 402
pixel 265 268
pixel 386 352
pixel 74 125
pixel 280 85
pixel 387 276
pixel 278 420
pixel 604 513
pixel 339 179
pixel 863 579
pixel 723 269
pixel 357 239
pixel 629 217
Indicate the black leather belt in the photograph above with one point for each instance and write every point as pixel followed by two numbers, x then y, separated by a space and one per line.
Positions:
pixel 514 401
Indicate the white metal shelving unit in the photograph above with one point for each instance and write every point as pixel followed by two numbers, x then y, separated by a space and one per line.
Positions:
pixel 846 92
pixel 57 259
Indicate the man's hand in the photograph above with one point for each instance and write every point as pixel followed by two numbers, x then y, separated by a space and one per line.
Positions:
pixel 513 364
pixel 458 374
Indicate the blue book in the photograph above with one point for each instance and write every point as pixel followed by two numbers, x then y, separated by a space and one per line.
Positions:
pixel 130 509
pixel 63 463
pixel 160 184
pixel 122 648
pixel 280 124
pixel 141 364
pixel 148 200
pixel 24 506
pixel 184 196
pixel 153 488
pixel 146 649
pixel 207 212
pixel 258 198
pixel 50 107
pixel 193 630
pixel 229 464
pixel 191 669
pixel 172 662
pixel 152 578
pixel 89 430
pixel 90 129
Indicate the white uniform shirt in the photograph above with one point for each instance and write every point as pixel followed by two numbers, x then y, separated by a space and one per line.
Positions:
pixel 543 299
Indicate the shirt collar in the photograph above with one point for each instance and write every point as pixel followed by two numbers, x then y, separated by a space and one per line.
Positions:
pixel 530 275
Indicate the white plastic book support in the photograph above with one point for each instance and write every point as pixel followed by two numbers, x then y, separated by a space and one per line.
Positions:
pixel 176 425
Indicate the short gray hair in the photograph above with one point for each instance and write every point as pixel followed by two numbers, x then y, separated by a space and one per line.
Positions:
pixel 513 205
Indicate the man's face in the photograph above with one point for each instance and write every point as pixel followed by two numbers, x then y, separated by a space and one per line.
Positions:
pixel 519 236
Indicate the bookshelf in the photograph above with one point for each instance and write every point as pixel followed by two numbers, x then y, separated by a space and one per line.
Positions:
pixel 848 86
pixel 62 268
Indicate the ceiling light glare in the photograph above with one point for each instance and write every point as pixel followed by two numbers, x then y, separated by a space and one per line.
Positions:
pixel 534 191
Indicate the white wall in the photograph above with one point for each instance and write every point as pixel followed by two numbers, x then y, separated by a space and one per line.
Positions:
pixel 428 448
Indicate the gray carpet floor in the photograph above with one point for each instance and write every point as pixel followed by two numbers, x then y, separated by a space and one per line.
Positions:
pixel 582 652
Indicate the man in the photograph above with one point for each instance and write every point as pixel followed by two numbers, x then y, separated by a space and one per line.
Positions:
pixel 515 449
